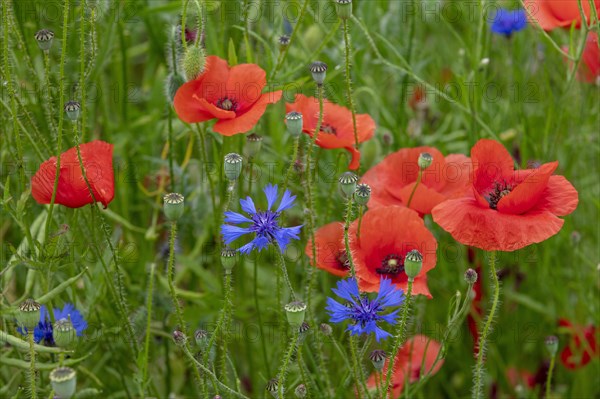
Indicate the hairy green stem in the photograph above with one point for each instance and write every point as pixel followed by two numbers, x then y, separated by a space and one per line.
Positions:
pixel 347 236
pixel 412 193
pixel 149 297
pixel 288 174
pixel 347 55
pixel 285 364
pixel 549 376
pixel 170 277
pixel 227 307
pixel 32 393
pixel 284 272
pixel 359 380
pixel 259 318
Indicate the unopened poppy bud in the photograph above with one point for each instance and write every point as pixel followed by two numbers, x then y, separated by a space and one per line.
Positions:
pixel 294 123
pixel 29 314
pixel 272 387
pixel 318 69
pixel 295 312
pixel 173 206
pixel 300 391
pixel 471 276
pixel 425 160
pixel 348 183
pixel 194 62
pixel 362 194
pixel 413 262
pixel 64 382
pixel 378 357
pixel 253 144
pixel 326 329
pixel 73 109
pixel 284 41
pixel 233 166
pixel 44 39
pixel 64 334
pixel 179 338
pixel 551 344
pixel 343 8
pixel 172 83
pixel 228 259
pixel 201 337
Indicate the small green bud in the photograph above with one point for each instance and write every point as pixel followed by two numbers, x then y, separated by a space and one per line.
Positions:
pixel 194 62
pixel 233 166
pixel 300 391
pixel 348 183
pixel 378 357
pixel 551 344
pixel 179 338
pixel 425 160
pixel 44 39
pixel 172 83
pixel 64 334
pixel 202 339
pixel 64 382
pixel 173 206
pixel 294 123
pixel 362 194
pixel 29 314
pixel 343 8
pixel 295 312
pixel 228 259
pixel 253 144
pixel 73 109
pixel 284 41
pixel 318 70
pixel 326 329
pixel 471 276
pixel 272 387
pixel 413 262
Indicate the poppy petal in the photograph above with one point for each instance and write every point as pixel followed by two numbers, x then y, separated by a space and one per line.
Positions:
pixel 244 122
pixel 559 198
pixel 527 193
pixel 245 84
pixel 186 105
pixel 329 247
pixel 492 163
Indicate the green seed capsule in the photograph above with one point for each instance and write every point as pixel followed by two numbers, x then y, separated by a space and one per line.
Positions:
pixel 378 357
pixel 413 262
pixel 318 69
pixel 64 334
pixel 64 382
pixel 44 39
pixel 294 123
pixel 362 194
pixel 233 166
pixel 29 314
pixel 253 144
pixel 173 206
pixel 295 312
pixel 73 109
pixel 425 160
pixel 228 259
pixel 343 8
pixel 348 183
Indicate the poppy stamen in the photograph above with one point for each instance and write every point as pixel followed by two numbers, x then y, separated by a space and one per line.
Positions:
pixel 500 190
pixel 226 103
pixel 342 260
pixel 328 129
pixel 391 264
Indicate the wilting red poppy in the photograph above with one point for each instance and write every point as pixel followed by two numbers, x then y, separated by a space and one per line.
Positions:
pixel 233 96
pixel 415 359
pixel 72 190
pixel 589 68
pixel 393 179
pixel 387 234
pixel 331 251
pixel 337 130
pixel 552 14
pixel 507 209
pixel 582 346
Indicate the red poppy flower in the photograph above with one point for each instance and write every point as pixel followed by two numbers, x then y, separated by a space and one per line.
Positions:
pixel 507 209
pixel 416 358
pixel 589 68
pixel 331 251
pixel 552 14
pixel 393 179
pixel 520 377
pixel 231 95
pixel 72 190
pixel 582 346
pixel 387 234
pixel 337 130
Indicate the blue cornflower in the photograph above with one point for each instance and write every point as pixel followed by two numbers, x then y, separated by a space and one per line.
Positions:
pixel 43 331
pixel 362 311
pixel 264 224
pixel 506 22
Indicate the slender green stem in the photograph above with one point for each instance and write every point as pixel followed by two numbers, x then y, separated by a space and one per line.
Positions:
pixel 227 307
pixel 347 236
pixel 82 89
pixel 288 174
pixel 149 297
pixel 48 102
pixel 412 193
pixel 171 148
pixel 283 54
pixel 286 277
pixel 200 130
pixel 170 277
pixel 259 318
pixel 32 388
pixel 549 376
pixel 399 338
pixel 347 53
pixel 361 210
pixel 286 362
pixel 487 329
pixel 359 380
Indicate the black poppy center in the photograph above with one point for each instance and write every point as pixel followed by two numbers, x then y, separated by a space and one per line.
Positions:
pixel 342 260
pixel 326 128
pixel 227 104
pixel 391 264
pixel 499 191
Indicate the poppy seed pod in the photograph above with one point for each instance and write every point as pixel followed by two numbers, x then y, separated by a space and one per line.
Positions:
pixel 73 109
pixel 425 160
pixel 253 144
pixel 413 262
pixel 294 123
pixel 326 329
pixel 64 334
pixel 471 276
pixel 194 62
pixel 64 382
pixel 228 259
pixel 300 391
pixel 362 194
pixel 343 8
pixel 173 206
pixel 551 344
pixel 233 166
pixel 378 357
pixel 179 338
pixel 272 387
pixel 318 69
pixel 348 183
pixel 284 41
pixel 29 314
pixel 295 312
pixel 202 339
pixel 44 39
pixel 172 83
